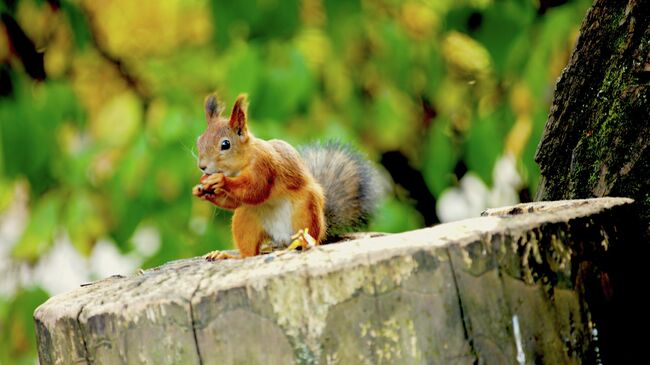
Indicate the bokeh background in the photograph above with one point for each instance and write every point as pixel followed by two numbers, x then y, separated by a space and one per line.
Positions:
pixel 101 104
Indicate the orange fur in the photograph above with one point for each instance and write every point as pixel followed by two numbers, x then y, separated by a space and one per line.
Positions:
pixel 247 232
pixel 224 201
pixel 259 179
pixel 310 215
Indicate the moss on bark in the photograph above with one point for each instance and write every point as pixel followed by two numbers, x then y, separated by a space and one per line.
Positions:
pixel 596 138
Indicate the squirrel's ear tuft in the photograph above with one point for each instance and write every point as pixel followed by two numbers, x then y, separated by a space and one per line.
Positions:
pixel 238 117
pixel 213 107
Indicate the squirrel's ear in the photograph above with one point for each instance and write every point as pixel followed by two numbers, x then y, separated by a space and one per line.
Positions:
pixel 213 107
pixel 238 117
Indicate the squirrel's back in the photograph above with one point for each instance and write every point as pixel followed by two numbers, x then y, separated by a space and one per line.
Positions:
pixel 351 185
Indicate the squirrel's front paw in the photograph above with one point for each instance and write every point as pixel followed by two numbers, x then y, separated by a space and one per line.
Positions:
pixel 202 191
pixel 209 186
pixel 213 182
pixel 198 190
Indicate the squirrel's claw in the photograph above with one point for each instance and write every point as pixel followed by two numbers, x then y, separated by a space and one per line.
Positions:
pixel 198 190
pixel 219 255
pixel 210 185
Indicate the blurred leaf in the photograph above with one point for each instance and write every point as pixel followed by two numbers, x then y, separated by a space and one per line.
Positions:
pixel 554 30
pixel 519 136
pixel 17 343
pixel 257 19
pixel 131 192
pixel 78 24
pixel 169 125
pixel 466 55
pixel 337 84
pixel 336 130
pixel 395 216
pixel 419 19
pixel 484 145
pixel 84 221
pixel 28 126
pixel 172 173
pixel 133 173
pixel 42 226
pixel 285 85
pixel 73 171
pixel 440 157
pixel 501 25
pixel 390 121
pixel 119 120
pixel 244 69
pixel 434 71
pixel 315 47
pixel 393 41
pixel 7 189
pixel 343 17
pixel 195 73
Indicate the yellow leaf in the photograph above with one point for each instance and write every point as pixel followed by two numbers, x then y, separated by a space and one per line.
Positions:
pixel 133 29
pixel 419 20
pixel 58 54
pixel 314 45
pixel 119 120
pixel 518 136
pixel 95 81
pixel 36 20
pixel 521 99
pixel 465 53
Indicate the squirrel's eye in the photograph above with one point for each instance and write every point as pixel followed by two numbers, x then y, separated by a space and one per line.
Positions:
pixel 225 144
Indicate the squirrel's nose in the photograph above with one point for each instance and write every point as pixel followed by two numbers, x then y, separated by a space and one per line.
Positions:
pixel 203 166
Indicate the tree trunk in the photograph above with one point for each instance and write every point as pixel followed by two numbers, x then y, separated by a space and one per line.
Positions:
pixel 595 144
pixel 596 138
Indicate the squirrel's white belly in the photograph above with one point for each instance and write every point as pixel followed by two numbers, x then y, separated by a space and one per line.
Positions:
pixel 276 219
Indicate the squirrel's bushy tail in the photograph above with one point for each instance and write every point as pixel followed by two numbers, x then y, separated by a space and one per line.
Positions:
pixel 351 185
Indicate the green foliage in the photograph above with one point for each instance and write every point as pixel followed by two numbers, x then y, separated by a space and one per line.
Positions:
pixel 41 228
pixel 484 144
pixel 17 345
pixel 254 19
pixel 29 123
pixel 441 155
pixel 78 24
pixel 105 144
pixel 394 216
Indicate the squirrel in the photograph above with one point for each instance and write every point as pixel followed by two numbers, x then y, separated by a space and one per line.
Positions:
pixel 276 192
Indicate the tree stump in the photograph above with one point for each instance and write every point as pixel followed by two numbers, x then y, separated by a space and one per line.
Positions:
pixel 516 286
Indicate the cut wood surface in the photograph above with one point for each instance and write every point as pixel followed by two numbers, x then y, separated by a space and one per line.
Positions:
pixel 506 288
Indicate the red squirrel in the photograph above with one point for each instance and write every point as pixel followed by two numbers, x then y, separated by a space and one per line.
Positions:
pixel 276 192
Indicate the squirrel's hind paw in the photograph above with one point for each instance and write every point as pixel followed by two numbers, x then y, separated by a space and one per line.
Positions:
pixel 220 255
pixel 302 240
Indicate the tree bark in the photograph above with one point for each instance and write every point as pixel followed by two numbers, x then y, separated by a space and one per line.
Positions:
pixel 595 144
pixel 517 286
pixel 596 139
